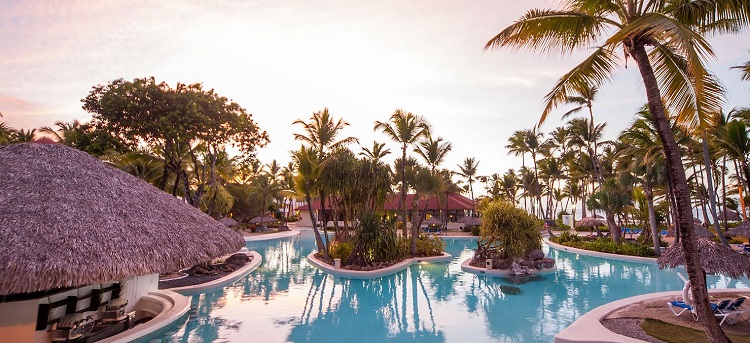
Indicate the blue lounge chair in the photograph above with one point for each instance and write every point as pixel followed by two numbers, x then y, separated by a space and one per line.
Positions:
pixel 733 312
pixel 682 307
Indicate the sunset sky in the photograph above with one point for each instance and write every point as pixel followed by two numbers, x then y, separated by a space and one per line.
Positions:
pixel 284 60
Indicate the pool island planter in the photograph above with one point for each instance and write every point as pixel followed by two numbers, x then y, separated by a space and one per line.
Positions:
pixel 222 281
pixel 638 259
pixel 374 274
pixel 465 266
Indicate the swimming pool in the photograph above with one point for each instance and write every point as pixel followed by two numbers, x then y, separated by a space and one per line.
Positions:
pixel 288 300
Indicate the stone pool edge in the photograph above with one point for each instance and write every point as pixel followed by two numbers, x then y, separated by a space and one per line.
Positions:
pixel 374 274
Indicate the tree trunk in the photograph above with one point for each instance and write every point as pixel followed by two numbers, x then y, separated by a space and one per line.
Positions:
pixel 711 193
pixel 403 188
pixel 318 240
pixel 613 229
pixel 652 220
pixel 681 191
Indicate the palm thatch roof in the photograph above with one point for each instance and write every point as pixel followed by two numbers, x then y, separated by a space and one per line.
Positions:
pixel 742 230
pixel 228 221
pixel 732 215
pixel 432 221
pixel 589 222
pixel 69 220
pixel 471 221
pixel 715 258
pixel 263 219
pixel 698 231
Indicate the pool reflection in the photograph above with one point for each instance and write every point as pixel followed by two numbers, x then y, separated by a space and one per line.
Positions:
pixel 288 300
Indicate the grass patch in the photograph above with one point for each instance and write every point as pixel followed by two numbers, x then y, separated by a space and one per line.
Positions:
pixel 679 334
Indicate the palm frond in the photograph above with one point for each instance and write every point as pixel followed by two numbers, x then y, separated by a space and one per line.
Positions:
pixel 593 71
pixel 545 30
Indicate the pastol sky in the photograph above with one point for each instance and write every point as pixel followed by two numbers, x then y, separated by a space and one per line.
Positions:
pixel 284 60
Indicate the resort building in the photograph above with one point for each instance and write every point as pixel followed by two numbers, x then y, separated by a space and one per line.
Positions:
pixel 83 246
pixel 450 210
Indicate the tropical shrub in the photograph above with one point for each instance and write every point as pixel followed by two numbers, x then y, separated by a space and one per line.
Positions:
pixel 375 242
pixel 339 249
pixel 430 245
pixel 511 228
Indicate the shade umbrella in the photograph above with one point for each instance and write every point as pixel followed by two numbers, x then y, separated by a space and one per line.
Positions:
pixel 715 259
pixel 471 221
pixel 69 220
pixel 432 221
pixel 263 219
pixel 589 222
pixel 740 230
pixel 228 221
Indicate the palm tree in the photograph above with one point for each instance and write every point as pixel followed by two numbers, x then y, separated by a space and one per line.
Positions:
pixel 468 170
pixel 308 170
pixel 745 69
pixel 517 146
pixel 377 152
pixel 322 131
pixel 406 129
pixel 665 39
pixel 24 136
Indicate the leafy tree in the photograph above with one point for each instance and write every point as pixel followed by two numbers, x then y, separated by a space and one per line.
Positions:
pixel 184 124
pixel 86 137
pixel 666 41
pixel 308 170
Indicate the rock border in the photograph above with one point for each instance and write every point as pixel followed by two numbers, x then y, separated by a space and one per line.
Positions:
pixel 374 274
pixel 465 266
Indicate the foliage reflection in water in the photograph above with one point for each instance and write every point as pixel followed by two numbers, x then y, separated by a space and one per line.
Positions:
pixel 288 300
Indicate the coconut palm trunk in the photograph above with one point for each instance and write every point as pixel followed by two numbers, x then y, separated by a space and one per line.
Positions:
pixel 711 190
pixel 681 191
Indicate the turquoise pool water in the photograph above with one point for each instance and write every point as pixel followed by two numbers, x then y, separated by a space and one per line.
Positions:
pixel 288 300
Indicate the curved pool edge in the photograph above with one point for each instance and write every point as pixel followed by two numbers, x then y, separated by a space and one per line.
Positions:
pixel 275 235
pixel 374 274
pixel 588 328
pixel 637 259
pixel 176 306
pixel 224 281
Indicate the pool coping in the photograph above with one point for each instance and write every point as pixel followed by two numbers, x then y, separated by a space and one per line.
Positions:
pixel 588 328
pixel 223 281
pixel 499 272
pixel 275 235
pixel 180 305
pixel 637 259
pixel 374 274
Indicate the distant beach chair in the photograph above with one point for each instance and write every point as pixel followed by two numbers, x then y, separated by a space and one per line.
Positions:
pixel 733 312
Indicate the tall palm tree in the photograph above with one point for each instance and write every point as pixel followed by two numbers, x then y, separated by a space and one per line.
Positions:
pixel 517 146
pixel 468 171
pixel 406 129
pixel 433 152
pixel 322 131
pixel 666 41
pixel 377 152
pixel 308 170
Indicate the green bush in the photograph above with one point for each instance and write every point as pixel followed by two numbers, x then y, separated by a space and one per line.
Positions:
pixel 340 250
pixel 475 230
pixel 430 245
pixel 605 245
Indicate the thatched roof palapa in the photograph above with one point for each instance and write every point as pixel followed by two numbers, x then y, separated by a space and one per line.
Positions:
pixel 432 221
pixel 228 221
pixel 263 219
pixel 589 222
pixel 69 220
pixel 742 230
pixel 471 221
pixel 698 231
pixel 715 258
